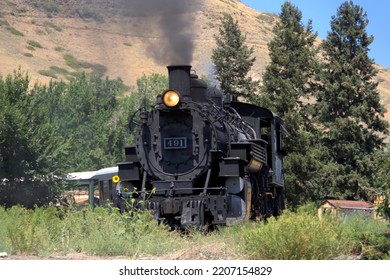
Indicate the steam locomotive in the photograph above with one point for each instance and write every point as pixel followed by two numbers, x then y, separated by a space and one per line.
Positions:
pixel 203 159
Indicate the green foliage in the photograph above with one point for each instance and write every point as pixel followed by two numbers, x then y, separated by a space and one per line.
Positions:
pixel 45 231
pixel 350 117
pixel 233 59
pixel 87 118
pixel 97 69
pixel 53 129
pixel 295 237
pixel 148 87
pixel 14 31
pixel 105 232
pixel 370 238
pixel 48 73
pixel 15 154
pixel 288 83
pixel 59 49
pixel 34 44
pixel 381 176
pixel 71 61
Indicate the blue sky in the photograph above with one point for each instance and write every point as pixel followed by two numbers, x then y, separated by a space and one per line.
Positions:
pixel 321 12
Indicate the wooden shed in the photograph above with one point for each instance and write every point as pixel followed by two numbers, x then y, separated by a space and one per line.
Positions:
pixel 346 207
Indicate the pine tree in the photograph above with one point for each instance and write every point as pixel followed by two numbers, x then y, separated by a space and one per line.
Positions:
pixel 288 84
pixel 233 59
pixel 349 108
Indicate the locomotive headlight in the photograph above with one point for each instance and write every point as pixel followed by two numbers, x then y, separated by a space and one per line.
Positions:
pixel 171 98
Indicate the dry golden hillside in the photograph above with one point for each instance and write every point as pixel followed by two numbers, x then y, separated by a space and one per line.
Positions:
pixel 54 39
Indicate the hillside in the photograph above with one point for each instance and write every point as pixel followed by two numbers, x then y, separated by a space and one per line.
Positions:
pixel 54 39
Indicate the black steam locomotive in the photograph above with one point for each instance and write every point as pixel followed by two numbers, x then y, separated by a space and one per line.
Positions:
pixel 201 158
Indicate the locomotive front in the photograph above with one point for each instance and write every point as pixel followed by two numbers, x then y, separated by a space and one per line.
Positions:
pixel 192 158
pixel 176 137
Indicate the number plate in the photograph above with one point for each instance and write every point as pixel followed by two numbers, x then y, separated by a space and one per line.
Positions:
pixel 175 143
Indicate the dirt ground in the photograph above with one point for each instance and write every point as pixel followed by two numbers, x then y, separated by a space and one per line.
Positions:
pixel 207 252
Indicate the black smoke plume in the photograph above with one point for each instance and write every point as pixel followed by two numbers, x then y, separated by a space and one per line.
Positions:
pixel 172 20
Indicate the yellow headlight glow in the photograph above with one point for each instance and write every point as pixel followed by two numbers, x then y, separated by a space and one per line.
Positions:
pixel 171 98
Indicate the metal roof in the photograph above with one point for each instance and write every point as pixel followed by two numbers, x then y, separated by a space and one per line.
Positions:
pixel 101 174
pixel 349 204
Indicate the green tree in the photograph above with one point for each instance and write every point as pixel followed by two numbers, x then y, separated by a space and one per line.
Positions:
pixel 233 59
pixel 348 106
pixel 26 146
pixel 289 82
pixel 16 157
pixel 381 164
pixel 148 87
pixel 88 120
pixel 54 129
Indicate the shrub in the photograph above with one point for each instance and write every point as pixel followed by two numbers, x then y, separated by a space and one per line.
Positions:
pixel 59 49
pixel 370 238
pixel 34 44
pixel 72 61
pixel 294 237
pixel 48 73
pixel 44 231
pixel 14 31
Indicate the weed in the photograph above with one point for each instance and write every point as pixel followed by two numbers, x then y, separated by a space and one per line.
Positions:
pixel 48 73
pixel 59 49
pixel 294 237
pixel 14 31
pixel 34 44
pixel 368 237
pixel 72 61
pixel 44 231
pixel 135 234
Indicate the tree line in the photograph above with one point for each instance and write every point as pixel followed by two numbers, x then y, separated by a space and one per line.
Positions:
pixel 328 97
pixel 50 130
pixel 326 94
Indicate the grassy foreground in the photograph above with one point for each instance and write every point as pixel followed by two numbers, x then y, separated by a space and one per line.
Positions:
pixel 104 232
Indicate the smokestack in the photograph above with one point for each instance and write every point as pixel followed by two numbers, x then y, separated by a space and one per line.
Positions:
pixel 179 79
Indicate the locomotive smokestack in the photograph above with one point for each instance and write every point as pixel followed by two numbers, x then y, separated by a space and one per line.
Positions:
pixel 179 79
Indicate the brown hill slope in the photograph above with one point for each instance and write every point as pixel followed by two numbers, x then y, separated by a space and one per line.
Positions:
pixel 54 39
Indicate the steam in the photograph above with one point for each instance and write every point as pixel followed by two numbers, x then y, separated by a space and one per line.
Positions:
pixel 172 20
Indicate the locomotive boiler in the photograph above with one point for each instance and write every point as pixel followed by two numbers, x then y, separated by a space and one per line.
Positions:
pixel 201 158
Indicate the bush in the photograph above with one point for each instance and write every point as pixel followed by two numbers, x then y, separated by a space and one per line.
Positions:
pixel 295 237
pixel 45 231
pixel 34 44
pixel 14 31
pixel 370 238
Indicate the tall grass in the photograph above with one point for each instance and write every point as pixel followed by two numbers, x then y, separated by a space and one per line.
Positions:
pixel 103 232
pixel 370 238
pixel 295 237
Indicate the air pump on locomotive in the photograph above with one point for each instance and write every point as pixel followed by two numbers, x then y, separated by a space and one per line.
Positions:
pixel 201 158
